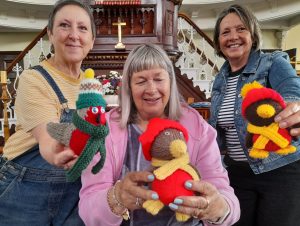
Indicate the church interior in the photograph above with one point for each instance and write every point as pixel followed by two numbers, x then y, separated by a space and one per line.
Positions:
pixel 183 28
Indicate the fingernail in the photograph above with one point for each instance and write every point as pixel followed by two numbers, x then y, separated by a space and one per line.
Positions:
pixel 154 196
pixel 188 184
pixel 173 206
pixel 178 201
pixel 293 132
pixel 282 124
pixel 150 177
pixel 277 118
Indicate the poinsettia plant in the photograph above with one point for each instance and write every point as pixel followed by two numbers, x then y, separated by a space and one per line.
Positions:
pixel 111 83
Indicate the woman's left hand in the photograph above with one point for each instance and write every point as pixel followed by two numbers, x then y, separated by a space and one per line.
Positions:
pixel 290 117
pixel 209 205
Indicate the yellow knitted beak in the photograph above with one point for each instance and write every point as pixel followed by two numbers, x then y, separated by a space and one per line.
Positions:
pixel 178 148
pixel 265 111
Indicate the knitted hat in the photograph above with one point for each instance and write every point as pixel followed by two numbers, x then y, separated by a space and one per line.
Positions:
pixel 90 92
pixel 155 126
pixel 254 91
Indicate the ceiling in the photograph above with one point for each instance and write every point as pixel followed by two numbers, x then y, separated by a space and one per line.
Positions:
pixel 272 14
pixel 31 15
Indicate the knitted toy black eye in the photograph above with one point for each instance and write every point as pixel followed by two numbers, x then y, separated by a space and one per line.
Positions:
pixel 164 144
pixel 86 134
pixel 260 106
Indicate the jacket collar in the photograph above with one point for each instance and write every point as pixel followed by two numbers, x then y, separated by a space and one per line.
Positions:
pixel 251 66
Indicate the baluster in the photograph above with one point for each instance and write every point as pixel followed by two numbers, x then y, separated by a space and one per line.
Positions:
pixel 42 55
pixel 109 23
pixel 131 21
pixel 143 21
pixel 98 21
pixel 121 14
pixel 29 58
pixel 18 69
pixel 5 99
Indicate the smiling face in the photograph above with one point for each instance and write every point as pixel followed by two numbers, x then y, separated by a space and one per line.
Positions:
pixel 71 35
pixel 235 40
pixel 150 92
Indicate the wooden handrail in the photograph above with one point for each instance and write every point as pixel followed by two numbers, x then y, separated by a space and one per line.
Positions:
pixel 199 31
pixel 26 50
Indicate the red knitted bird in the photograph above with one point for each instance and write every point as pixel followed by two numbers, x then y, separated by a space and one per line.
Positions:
pixel 260 106
pixel 164 144
pixel 86 134
pixel 93 115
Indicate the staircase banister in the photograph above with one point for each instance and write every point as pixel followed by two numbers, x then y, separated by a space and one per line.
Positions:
pixel 199 31
pixel 26 50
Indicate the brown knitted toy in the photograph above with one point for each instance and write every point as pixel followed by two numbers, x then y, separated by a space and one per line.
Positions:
pixel 164 144
pixel 260 106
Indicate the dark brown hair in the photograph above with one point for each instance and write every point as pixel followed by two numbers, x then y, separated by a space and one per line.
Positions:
pixel 248 19
pixel 61 3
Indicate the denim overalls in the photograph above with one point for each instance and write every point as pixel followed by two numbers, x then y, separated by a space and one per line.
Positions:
pixel 35 193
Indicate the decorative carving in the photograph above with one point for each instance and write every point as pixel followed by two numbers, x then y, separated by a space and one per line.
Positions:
pixel 118 2
pixel 140 19
pixel 169 23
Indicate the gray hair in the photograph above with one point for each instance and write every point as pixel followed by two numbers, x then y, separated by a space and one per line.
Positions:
pixel 61 3
pixel 146 57
pixel 249 21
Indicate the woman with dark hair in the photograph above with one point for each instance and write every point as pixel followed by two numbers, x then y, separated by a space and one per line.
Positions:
pixel 33 192
pixel 268 189
pixel 149 91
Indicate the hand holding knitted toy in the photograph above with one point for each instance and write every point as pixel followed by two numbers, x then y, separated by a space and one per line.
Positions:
pixel 86 134
pixel 164 144
pixel 260 106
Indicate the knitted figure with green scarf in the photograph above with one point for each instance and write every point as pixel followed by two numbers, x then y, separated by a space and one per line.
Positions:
pixel 86 134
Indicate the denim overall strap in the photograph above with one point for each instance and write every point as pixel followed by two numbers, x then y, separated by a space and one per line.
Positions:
pixel 63 101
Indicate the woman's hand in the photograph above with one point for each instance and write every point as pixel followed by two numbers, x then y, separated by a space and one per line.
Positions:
pixel 130 190
pixel 209 205
pixel 290 117
pixel 63 157
pixel 52 151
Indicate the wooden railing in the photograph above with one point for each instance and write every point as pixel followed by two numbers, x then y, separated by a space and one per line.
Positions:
pixel 25 51
pixel 202 34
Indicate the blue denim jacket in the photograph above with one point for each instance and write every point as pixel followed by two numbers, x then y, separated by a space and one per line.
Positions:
pixel 273 71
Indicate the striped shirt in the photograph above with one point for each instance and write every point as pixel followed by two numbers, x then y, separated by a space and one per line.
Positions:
pixel 226 119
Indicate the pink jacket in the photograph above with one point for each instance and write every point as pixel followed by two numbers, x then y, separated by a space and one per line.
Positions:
pixel 204 154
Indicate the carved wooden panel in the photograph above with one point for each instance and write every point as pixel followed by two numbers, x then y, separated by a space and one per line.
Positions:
pixel 139 20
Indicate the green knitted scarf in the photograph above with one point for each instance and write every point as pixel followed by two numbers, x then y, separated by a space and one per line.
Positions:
pixel 96 143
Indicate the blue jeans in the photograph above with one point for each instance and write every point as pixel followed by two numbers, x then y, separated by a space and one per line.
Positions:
pixel 32 192
pixel 35 193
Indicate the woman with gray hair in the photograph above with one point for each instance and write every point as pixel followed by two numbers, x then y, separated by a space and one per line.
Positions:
pixel 268 189
pixel 118 191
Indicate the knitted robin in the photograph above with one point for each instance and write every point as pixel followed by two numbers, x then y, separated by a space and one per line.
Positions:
pixel 259 107
pixel 86 134
pixel 164 144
